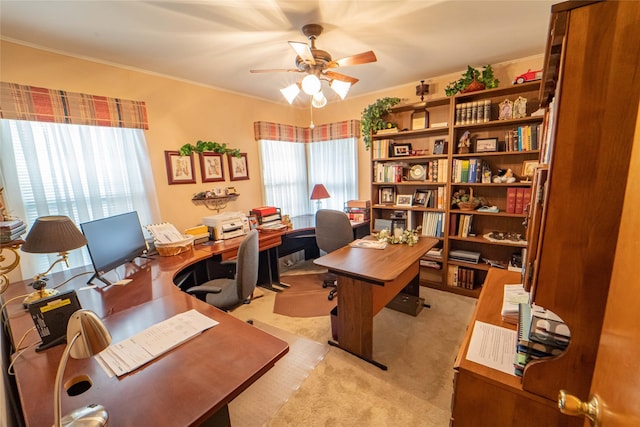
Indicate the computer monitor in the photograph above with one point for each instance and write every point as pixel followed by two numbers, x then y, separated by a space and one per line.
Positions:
pixel 113 241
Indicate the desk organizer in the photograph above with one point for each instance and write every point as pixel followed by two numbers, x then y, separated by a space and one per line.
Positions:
pixel 175 248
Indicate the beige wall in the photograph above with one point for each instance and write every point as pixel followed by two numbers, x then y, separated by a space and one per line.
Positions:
pixel 181 112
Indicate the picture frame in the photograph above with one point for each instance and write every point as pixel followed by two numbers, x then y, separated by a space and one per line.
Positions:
pixel 238 167
pixel 179 168
pixel 421 198
pixel 401 150
pixel 387 195
pixel 439 146
pixel 253 221
pixel 211 168
pixel 419 120
pixel 231 191
pixel 485 145
pixel 520 108
pixel 505 110
pixel 528 169
pixel 404 200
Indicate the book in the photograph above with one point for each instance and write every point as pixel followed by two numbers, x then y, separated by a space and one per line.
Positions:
pixel 11 224
pixel 8 237
pixel 513 296
pixel 511 200
pixel 519 207
pixel 358 204
pixel 264 211
pixel 368 244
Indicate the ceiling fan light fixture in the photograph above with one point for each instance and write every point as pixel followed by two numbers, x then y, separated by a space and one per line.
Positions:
pixel 290 92
pixel 340 87
pixel 311 84
pixel 319 100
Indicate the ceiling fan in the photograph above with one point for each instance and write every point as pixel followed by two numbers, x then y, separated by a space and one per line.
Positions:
pixel 318 65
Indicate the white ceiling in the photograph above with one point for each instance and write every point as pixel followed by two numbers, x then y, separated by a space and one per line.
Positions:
pixel 217 42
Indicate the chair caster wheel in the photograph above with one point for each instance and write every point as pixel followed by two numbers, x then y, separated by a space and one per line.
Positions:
pixel 330 297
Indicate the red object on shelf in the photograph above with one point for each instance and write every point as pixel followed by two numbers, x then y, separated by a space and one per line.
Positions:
pixel 265 210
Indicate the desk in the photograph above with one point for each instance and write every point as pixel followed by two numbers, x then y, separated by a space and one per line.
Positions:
pixel 368 279
pixel 303 236
pixel 187 386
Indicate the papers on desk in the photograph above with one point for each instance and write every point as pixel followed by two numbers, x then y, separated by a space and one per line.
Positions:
pixel 493 346
pixel 133 352
pixel 368 244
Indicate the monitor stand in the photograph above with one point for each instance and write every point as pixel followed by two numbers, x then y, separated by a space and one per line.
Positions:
pixel 99 277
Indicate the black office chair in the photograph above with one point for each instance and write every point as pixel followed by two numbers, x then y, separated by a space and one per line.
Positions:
pixel 333 231
pixel 226 293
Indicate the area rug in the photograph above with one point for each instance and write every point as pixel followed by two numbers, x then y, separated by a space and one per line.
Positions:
pixel 259 403
pixel 305 296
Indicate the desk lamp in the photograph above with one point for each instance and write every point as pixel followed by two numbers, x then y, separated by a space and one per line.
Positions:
pixel 86 337
pixel 319 192
pixel 51 234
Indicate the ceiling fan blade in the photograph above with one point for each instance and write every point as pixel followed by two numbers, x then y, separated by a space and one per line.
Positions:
pixel 304 51
pixel 276 70
pixel 341 77
pixel 360 58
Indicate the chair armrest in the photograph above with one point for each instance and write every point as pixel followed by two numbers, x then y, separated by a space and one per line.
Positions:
pixel 204 290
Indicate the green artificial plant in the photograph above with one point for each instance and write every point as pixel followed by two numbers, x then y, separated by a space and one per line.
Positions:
pixel 373 118
pixel 486 79
pixel 215 147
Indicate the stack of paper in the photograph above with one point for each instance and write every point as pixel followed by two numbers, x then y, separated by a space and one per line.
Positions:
pixel 513 296
pixel 368 244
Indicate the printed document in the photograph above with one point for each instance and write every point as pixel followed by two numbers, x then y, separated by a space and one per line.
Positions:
pixel 493 346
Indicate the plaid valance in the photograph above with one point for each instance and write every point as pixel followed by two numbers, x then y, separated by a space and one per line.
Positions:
pixel 288 133
pixel 20 102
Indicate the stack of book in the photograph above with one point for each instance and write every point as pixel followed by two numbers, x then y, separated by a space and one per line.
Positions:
pixel 357 210
pixel 11 230
pixel 513 296
pixel 541 334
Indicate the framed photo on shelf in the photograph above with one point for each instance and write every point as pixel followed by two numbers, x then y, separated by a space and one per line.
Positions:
pixel 420 120
pixel 528 169
pixel 401 150
pixel 439 146
pixel 484 145
pixel 179 168
pixel 238 167
pixel 211 167
pixel 404 200
pixel 506 110
pixel 421 198
pixel 520 107
pixel 387 195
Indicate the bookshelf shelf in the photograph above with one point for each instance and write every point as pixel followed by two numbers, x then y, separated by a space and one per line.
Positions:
pixel 441 166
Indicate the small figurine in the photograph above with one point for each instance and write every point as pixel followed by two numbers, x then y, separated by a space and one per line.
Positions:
pixel 464 143
pixel 504 176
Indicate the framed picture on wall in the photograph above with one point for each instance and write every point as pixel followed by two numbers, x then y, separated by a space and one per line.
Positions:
pixel 211 167
pixel 179 168
pixel 238 167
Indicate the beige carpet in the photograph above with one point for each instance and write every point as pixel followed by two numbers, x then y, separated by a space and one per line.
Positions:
pixel 346 391
pixel 305 296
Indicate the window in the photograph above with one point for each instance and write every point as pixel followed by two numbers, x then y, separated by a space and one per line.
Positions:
pixel 291 169
pixel 84 172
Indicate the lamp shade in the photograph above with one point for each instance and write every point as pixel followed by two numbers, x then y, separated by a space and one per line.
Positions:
pixel 50 234
pixel 319 192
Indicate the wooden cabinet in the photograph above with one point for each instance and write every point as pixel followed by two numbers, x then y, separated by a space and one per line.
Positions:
pixel 415 161
pixel 591 105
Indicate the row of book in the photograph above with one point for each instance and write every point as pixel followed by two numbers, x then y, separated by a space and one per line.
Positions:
pixel 470 170
pixel 380 148
pixel 541 334
pixel 460 277
pixel 517 199
pixel 357 210
pixel 460 225
pixel 433 224
pixel 524 138
pixel 11 230
pixel 435 171
pixel 473 112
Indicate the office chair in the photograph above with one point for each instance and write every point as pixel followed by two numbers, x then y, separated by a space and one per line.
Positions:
pixel 226 293
pixel 333 231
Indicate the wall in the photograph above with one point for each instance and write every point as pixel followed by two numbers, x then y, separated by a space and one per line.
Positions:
pixel 181 112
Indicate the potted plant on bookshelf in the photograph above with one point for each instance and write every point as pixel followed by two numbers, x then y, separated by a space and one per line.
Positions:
pixel 473 80
pixel 373 118
pixel 212 146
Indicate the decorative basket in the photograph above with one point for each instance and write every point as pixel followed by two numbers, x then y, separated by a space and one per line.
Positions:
pixel 175 248
pixel 470 205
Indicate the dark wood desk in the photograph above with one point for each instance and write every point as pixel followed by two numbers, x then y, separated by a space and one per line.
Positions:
pixel 368 279
pixel 187 386
pixel 303 236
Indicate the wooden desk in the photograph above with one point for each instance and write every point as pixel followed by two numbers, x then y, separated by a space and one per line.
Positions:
pixel 367 280
pixel 484 396
pixel 184 387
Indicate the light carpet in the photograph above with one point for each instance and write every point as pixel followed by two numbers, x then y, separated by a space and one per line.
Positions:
pixel 259 403
pixel 305 296
pixel 346 391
